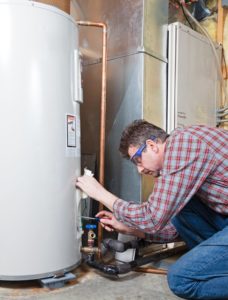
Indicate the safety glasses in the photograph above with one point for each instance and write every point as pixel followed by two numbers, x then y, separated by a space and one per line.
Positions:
pixel 136 158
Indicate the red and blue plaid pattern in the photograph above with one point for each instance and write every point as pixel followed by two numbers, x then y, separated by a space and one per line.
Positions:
pixel 195 163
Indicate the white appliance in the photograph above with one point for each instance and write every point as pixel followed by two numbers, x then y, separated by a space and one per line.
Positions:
pixel 40 230
pixel 193 82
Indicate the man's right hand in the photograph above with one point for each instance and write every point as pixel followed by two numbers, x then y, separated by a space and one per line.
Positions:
pixel 95 190
pixel 110 223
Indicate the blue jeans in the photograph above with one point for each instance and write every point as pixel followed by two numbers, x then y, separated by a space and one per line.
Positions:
pixel 202 273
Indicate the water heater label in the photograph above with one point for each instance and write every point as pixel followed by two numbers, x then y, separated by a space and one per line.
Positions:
pixel 71 131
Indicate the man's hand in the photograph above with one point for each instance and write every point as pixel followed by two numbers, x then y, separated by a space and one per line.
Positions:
pixel 95 190
pixel 109 222
pixel 90 186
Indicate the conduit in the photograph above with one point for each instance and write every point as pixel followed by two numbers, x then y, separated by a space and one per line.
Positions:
pixel 103 109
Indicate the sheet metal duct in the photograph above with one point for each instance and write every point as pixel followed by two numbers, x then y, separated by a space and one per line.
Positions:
pixel 137 65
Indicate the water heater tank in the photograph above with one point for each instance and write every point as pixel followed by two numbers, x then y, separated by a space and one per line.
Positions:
pixel 40 231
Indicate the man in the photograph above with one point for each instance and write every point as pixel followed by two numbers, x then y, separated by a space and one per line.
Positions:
pixel 190 197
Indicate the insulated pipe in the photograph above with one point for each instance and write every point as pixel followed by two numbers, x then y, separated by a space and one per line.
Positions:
pixel 135 264
pixel 61 4
pixel 103 109
pixel 118 246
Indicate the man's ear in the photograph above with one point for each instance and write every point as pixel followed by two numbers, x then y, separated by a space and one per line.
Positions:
pixel 153 146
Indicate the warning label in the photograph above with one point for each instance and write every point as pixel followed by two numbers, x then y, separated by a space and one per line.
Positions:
pixel 71 131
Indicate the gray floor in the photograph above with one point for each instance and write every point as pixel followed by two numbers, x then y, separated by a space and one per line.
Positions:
pixel 90 285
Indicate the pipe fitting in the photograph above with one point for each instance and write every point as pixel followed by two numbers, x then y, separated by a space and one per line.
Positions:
pixel 90 250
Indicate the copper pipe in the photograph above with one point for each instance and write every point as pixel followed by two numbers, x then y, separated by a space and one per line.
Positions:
pixel 151 270
pixel 103 109
pixel 181 248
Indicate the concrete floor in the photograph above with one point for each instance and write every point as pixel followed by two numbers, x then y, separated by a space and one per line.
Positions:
pixel 92 286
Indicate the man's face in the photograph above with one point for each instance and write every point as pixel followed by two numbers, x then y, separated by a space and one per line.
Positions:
pixel 150 161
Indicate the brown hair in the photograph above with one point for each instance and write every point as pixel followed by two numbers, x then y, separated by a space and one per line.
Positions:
pixel 136 133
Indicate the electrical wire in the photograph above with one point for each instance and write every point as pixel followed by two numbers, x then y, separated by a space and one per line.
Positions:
pixel 222 115
pixel 222 109
pixel 222 121
pixel 186 16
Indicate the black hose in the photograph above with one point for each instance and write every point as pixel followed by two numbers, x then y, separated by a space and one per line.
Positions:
pixel 127 267
pixel 110 269
pixel 118 246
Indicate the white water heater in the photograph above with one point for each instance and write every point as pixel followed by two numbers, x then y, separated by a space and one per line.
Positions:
pixel 40 94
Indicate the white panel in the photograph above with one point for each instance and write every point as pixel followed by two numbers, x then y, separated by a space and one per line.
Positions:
pixel 39 221
pixel 193 86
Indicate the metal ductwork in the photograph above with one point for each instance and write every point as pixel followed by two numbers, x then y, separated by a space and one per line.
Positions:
pixel 136 80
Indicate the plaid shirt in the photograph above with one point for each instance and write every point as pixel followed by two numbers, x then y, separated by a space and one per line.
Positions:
pixel 195 163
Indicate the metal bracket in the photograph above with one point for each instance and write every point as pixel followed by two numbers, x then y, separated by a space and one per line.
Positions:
pixel 57 282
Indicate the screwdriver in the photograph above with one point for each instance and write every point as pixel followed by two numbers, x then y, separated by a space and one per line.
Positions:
pixel 90 218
